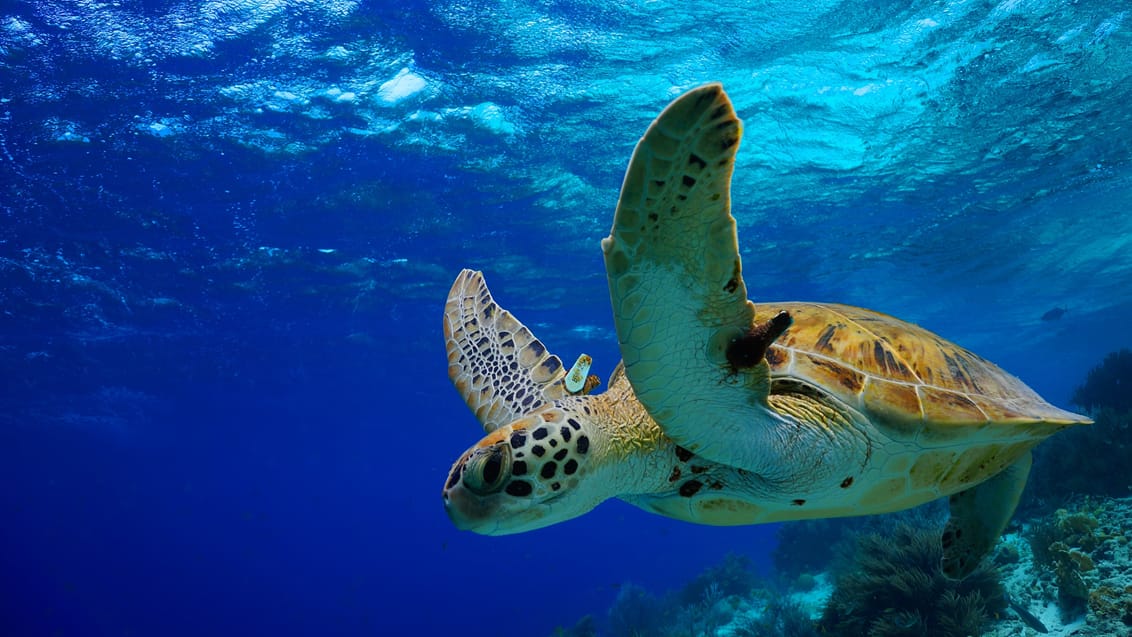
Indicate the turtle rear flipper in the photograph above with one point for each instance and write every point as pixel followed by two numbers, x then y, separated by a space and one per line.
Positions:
pixel 496 363
pixel 979 516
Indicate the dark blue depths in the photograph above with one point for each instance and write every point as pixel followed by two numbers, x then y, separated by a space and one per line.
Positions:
pixel 227 230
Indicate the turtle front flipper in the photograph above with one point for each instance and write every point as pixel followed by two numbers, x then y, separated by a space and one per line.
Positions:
pixel 499 367
pixel 979 516
pixel 680 305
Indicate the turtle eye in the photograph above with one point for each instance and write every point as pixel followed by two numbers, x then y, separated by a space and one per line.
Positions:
pixel 485 470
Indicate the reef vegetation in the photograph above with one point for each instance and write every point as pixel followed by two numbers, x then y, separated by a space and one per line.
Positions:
pixel 1059 475
pixel 890 584
pixel 1108 385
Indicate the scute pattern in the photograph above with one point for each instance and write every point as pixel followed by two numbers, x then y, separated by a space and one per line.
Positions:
pixel 889 368
pixel 496 363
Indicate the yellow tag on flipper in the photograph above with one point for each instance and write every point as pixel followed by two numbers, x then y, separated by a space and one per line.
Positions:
pixel 576 379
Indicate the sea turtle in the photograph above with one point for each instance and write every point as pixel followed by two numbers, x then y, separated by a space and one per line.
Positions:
pixel 724 413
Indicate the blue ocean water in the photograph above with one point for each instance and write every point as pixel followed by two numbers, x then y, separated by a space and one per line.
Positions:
pixel 227 230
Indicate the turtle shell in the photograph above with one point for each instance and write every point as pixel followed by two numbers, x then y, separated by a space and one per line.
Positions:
pixel 897 373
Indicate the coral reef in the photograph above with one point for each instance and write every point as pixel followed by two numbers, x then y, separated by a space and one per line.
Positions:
pixel 725 600
pixel 781 617
pixel 1112 606
pixel 585 627
pixel 1060 544
pixel 890 584
pixel 732 576
pixel 1081 565
pixel 1067 573
pixel 638 612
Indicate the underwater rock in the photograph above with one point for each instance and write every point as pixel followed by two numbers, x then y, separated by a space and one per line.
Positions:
pixel 1112 605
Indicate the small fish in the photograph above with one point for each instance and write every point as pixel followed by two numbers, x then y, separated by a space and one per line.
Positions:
pixel 1055 314
pixel 1026 616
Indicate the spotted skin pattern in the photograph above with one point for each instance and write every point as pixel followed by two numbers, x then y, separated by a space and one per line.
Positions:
pixel 517 471
pixel 545 456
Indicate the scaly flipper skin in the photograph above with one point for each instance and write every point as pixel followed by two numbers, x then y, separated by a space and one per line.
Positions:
pixel 676 282
pixel 979 515
pixel 502 371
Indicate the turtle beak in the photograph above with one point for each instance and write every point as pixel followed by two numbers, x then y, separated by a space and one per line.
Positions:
pixel 467 512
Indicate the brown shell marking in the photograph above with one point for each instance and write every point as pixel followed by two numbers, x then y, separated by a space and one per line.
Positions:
pixel 899 371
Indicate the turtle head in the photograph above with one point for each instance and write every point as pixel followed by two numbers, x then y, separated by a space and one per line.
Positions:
pixel 537 471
